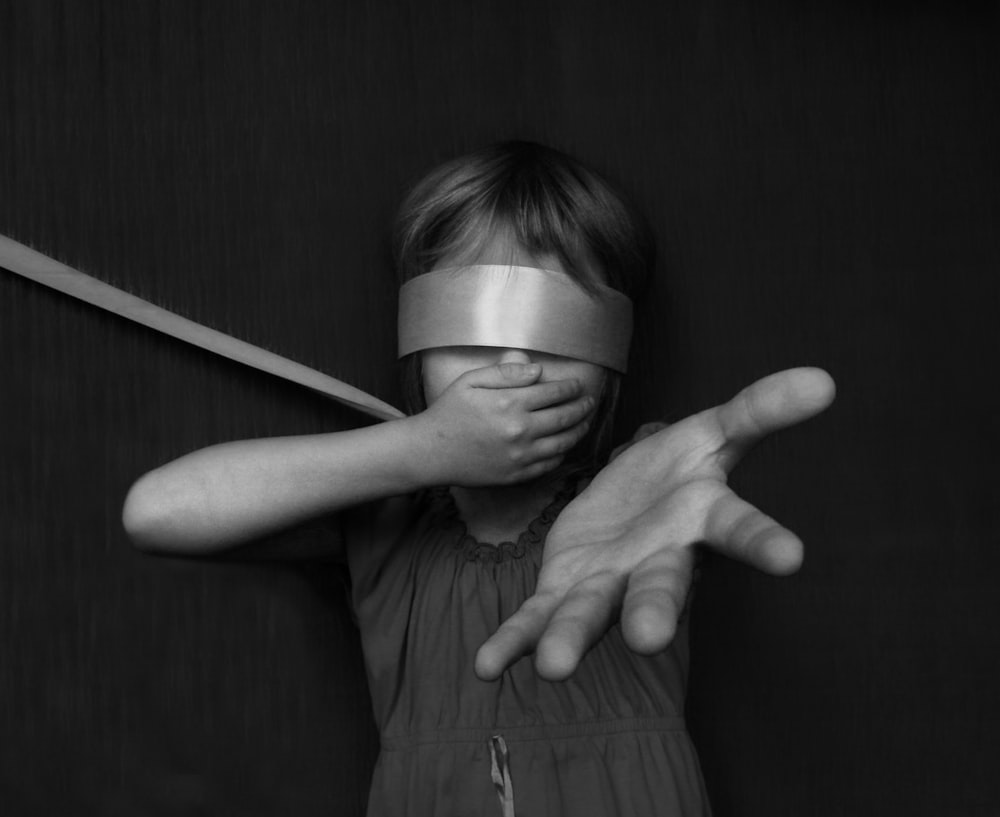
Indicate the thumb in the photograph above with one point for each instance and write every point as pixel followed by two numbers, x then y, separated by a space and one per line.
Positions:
pixel 504 376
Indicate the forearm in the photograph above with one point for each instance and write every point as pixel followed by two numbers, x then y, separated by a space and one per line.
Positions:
pixel 228 494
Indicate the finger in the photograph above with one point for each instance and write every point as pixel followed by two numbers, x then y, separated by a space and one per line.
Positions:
pixel 516 637
pixel 577 623
pixel 549 393
pixel 737 529
pixel 503 376
pixel 549 421
pixel 772 403
pixel 654 599
pixel 558 444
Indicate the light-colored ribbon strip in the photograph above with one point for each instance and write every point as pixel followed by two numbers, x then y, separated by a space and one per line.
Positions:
pixel 40 268
pixel 500 774
pixel 515 307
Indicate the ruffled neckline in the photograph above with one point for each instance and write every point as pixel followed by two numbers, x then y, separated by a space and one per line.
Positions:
pixel 494 553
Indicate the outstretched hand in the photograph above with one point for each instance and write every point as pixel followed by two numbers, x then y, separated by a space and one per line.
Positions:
pixel 627 543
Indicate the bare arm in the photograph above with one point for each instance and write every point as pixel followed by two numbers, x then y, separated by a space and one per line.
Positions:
pixel 229 494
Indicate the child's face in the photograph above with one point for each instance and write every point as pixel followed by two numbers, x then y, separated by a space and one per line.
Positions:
pixel 442 366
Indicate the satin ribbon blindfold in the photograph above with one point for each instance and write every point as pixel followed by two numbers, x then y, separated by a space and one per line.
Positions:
pixel 518 308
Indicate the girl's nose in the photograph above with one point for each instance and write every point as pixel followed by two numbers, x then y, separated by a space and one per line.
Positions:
pixel 514 356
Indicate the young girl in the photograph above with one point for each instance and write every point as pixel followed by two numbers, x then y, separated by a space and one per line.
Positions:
pixel 518 266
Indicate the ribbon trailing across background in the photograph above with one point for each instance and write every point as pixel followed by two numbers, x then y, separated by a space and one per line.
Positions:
pixel 34 265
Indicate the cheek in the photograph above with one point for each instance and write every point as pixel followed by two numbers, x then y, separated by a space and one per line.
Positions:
pixel 434 384
pixel 439 372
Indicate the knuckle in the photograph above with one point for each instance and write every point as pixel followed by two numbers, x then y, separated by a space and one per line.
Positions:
pixel 750 402
pixel 510 370
pixel 514 430
pixel 553 393
pixel 518 456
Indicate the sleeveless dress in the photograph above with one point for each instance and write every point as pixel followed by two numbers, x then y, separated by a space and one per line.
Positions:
pixel 608 741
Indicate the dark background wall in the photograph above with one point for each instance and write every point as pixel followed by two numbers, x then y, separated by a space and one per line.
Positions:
pixel 823 181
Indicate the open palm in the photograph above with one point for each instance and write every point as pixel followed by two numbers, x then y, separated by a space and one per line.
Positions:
pixel 626 544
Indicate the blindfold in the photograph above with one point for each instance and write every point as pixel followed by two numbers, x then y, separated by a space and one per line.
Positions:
pixel 515 307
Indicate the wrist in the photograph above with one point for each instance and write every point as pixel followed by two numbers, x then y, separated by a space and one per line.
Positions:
pixel 419 453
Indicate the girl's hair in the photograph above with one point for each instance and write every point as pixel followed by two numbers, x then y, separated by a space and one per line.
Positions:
pixel 543 201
